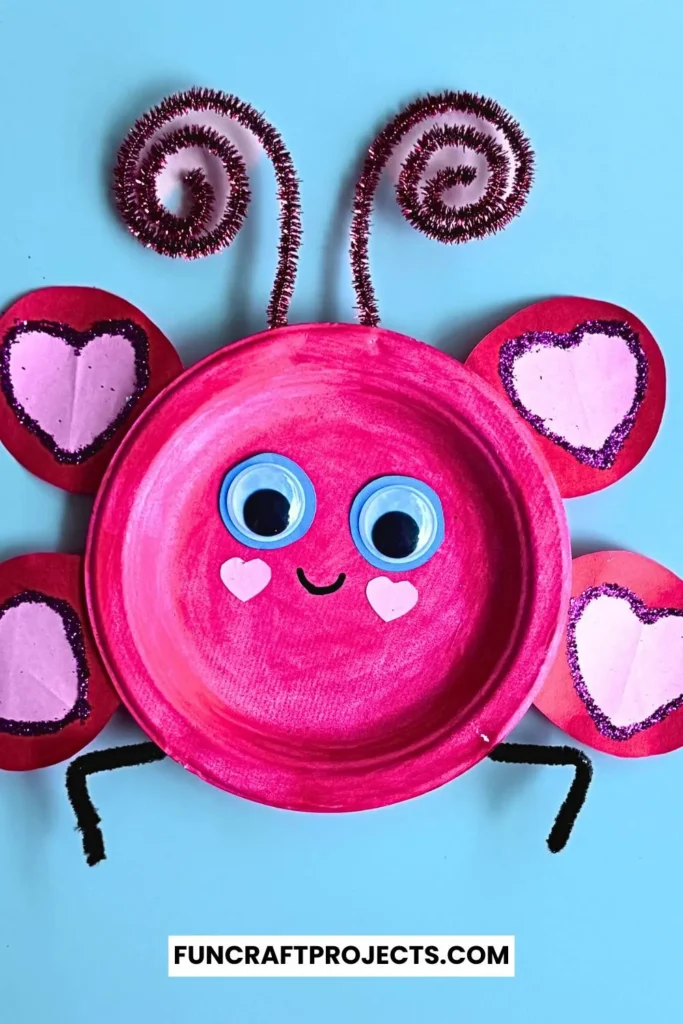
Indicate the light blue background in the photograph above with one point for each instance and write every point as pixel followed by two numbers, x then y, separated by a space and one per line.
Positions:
pixel 598 86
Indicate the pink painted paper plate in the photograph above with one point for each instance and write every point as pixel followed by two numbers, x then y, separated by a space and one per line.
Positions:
pixel 328 569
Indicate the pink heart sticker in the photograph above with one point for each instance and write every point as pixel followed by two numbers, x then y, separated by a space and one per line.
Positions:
pixel 389 599
pixel 626 659
pixel 243 579
pixel 74 388
pixel 41 681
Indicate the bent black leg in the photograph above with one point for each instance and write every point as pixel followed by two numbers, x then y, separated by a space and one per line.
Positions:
pixel 531 753
pixel 87 818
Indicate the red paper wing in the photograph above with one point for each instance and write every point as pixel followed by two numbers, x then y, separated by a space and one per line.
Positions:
pixel 589 379
pixel 77 366
pixel 55 696
pixel 617 684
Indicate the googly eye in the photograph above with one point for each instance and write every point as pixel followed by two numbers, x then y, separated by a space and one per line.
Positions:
pixel 397 523
pixel 267 501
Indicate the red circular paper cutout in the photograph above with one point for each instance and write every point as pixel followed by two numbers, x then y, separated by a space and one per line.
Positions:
pixel 637 589
pixel 60 577
pixel 626 424
pixel 68 319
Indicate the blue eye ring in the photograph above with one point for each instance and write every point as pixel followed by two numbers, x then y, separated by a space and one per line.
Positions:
pixel 278 473
pixel 389 493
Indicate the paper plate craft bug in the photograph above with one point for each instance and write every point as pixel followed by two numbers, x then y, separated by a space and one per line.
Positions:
pixel 328 566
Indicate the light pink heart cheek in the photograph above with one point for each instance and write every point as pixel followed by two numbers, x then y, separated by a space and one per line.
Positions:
pixel 629 667
pixel 243 579
pixel 38 670
pixel 581 393
pixel 389 599
pixel 74 395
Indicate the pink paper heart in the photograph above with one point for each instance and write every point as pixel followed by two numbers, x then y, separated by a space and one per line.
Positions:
pixel 389 599
pixel 582 389
pixel 626 659
pixel 243 579
pixel 74 387
pixel 40 677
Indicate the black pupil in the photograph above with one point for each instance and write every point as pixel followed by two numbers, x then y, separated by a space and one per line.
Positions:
pixel 395 534
pixel 266 513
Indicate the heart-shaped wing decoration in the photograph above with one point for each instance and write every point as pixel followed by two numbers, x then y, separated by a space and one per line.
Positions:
pixel 43 668
pixel 588 378
pixel 617 684
pixel 74 388
pixel 77 365
pixel 626 659
pixel 55 695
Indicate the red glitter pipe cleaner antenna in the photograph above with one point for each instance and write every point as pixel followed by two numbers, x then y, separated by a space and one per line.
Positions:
pixel 480 128
pixel 197 230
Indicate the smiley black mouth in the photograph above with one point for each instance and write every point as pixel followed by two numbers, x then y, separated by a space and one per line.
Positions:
pixel 311 587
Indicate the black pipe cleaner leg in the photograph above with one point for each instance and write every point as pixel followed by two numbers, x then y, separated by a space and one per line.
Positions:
pixel 531 753
pixel 87 818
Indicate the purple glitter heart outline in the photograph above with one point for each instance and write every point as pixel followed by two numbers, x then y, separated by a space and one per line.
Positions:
pixel 510 351
pixel 78 340
pixel 74 636
pixel 647 616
